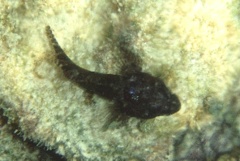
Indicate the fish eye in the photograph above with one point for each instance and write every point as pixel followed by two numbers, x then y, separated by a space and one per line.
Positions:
pixel 133 94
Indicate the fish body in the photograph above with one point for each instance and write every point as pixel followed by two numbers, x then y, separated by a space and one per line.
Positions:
pixel 135 93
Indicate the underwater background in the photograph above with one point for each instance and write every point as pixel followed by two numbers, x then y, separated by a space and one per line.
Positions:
pixel 192 45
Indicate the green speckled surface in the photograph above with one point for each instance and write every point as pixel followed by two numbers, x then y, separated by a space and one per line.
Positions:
pixel 192 45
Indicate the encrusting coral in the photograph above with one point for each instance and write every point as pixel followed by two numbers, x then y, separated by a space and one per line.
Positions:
pixel 191 45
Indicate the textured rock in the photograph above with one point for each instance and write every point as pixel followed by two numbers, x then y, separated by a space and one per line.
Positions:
pixel 192 45
pixel 15 148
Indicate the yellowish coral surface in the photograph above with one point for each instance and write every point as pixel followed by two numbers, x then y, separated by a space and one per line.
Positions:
pixel 193 45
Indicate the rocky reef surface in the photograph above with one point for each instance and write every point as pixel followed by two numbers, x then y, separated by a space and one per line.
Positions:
pixel 192 45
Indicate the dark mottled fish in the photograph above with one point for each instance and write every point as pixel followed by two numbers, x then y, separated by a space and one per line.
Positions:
pixel 135 93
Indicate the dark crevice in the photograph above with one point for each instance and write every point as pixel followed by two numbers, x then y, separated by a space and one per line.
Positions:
pixel 44 153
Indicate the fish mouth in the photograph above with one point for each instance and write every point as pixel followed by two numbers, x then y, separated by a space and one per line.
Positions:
pixel 174 104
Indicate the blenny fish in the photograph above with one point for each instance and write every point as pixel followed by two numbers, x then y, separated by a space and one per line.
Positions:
pixel 135 93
